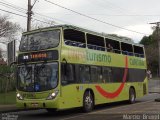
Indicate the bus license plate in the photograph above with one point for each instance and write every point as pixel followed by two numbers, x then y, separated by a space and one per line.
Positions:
pixel 34 104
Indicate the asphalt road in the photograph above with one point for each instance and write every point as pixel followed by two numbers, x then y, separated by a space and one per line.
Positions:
pixel 143 108
pixel 154 86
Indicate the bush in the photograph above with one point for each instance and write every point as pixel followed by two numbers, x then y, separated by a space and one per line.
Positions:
pixel 7 78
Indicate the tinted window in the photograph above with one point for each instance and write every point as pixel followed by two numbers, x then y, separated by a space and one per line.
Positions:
pixel 84 72
pixel 137 75
pixel 99 73
pixel 118 74
pixel 107 74
pixel 68 74
pixel 94 74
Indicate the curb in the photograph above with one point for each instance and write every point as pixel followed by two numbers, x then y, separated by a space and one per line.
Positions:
pixel 9 108
pixel 13 108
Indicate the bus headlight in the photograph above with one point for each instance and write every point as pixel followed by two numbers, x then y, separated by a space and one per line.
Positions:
pixel 19 96
pixel 52 95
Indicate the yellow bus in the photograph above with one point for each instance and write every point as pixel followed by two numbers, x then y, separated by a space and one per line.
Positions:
pixel 65 66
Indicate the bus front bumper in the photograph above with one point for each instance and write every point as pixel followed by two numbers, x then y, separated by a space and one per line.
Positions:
pixel 37 103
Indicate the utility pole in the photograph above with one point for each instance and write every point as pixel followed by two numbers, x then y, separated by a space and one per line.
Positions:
pixel 158 40
pixel 29 14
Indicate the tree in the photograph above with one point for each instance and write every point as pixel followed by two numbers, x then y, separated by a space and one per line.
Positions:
pixel 8 30
pixel 7 79
pixel 151 49
pixel 147 40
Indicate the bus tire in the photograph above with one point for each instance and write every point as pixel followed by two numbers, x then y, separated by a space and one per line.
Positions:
pixel 88 102
pixel 132 96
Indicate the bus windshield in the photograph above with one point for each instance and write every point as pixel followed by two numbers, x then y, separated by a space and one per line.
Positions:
pixel 37 77
pixel 40 40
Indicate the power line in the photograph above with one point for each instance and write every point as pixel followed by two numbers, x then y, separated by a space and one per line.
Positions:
pixel 118 15
pixel 13 6
pixel 19 9
pixel 84 15
pixel 45 16
pixel 127 15
pixel 23 16
pixel 13 13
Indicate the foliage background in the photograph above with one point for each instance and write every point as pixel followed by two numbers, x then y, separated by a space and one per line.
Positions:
pixel 151 48
pixel 7 79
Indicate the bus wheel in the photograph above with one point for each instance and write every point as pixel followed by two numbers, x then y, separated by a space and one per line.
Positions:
pixel 88 102
pixel 132 96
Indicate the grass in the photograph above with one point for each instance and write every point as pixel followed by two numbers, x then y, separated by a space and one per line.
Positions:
pixel 8 98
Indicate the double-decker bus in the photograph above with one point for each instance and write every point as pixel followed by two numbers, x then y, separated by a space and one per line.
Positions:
pixel 66 66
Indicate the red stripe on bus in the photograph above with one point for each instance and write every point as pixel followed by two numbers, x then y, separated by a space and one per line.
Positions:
pixel 119 90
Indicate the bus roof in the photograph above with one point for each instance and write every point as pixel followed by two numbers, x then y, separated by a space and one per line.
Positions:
pixel 116 38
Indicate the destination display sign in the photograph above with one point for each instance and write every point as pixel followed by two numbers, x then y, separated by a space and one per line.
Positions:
pixel 38 56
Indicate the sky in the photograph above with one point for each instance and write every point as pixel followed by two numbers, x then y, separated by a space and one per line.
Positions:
pixel 134 15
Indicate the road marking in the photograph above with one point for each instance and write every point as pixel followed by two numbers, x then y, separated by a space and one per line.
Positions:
pixel 119 107
pixel 152 93
pixel 129 112
pixel 85 114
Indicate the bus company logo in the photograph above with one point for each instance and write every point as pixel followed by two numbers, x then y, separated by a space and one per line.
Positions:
pixel 89 56
pixel 98 57
pixel 136 62
pixel 114 94
pixel 76 55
